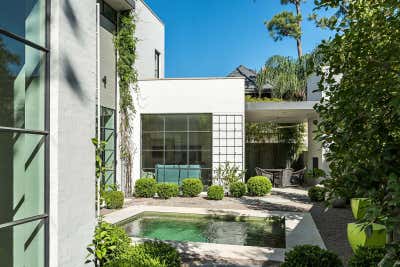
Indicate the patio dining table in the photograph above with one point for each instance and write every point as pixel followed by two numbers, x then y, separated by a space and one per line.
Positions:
pixel 277 175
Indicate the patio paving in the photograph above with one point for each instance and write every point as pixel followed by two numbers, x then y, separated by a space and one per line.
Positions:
pixel 331 223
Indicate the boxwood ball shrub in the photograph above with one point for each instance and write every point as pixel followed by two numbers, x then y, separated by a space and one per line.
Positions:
pixel 114 199
pixel 237 189
pixel 167 190
pixel 145 187
pixel 191 187
pixel 259 186
pixel 366 257
pixel 215 192
pixel 317 193
pixel 307 255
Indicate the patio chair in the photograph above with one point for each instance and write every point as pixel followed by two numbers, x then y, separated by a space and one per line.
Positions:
pixel 262 172
pixel 298 177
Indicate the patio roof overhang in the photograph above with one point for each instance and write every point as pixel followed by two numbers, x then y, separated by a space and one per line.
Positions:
pixel 280 112
pixel 121 5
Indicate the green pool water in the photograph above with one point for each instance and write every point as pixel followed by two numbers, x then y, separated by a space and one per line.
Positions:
pixel 245 231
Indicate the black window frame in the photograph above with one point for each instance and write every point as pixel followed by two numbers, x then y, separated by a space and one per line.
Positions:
pixel 45 133
pixel 157 56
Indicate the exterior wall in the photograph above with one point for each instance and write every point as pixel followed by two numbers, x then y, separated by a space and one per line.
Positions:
pixel 191 96
pixel 150 33
pixel 72 124
pixel 107 69
pixel 312 85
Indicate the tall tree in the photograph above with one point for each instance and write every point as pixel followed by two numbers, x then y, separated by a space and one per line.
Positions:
pixel 287 24
pixel 261 80
pixel 360 113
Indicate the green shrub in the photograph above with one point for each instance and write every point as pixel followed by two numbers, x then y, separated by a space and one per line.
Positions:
pixel 167 190
pixel 164 252
pixel 145 187
pixel 109 243
pixel 317 193
pixel 259 186
pixel 191 187
pixel 237 189
pixel 215 192
pixel 114 199
pixel 307 255
pixel 135 257
pixel 314 173
pixel 366 257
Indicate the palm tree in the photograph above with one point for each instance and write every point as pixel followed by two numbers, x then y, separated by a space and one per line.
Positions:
pixel 288 76
pixel 261 80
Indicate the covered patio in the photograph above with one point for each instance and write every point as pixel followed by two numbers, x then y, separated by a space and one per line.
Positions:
pixel 287 114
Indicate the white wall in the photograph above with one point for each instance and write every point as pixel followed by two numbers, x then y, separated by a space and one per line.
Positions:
pixel 107 69
pixel 219 96
pixel 150 33
pixel 72 125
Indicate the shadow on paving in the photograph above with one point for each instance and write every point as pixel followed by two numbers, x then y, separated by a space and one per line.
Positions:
pixel 332 226
pixel 256 204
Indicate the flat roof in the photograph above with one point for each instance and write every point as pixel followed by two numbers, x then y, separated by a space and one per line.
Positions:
pixel 193 78
pixel 284 112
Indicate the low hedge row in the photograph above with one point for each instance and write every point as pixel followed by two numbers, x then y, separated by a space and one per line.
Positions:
pixel 148 187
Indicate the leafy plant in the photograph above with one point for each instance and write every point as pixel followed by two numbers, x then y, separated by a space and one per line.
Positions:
pixel 228 174
pixel 167 190
pixel 161 251
pixel 145 187
pixel 125 44
pixel 259 186
pixel 359 114
pixel 317 193
pixel 114 199
pixel 237 189
pixel 215 192
pixel 314 173
pixel 109 243
pixel 307 255
pixel 366 257
pixel 191 187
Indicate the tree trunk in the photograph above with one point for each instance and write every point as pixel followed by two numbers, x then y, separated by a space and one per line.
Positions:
pixel 298 40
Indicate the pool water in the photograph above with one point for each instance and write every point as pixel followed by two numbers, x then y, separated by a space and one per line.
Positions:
pixel 245 231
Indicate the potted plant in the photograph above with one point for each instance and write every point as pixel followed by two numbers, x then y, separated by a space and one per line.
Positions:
pixel 314 176
pixel 371 236
pixel 359 207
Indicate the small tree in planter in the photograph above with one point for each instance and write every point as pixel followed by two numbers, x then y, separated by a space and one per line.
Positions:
pixel 314 176
pixel 228 174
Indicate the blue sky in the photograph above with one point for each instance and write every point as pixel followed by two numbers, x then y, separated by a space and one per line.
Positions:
pixel 210 38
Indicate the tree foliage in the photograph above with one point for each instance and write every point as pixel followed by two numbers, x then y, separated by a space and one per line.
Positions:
pixel 360 115
pixel 287 25
pixel 125 43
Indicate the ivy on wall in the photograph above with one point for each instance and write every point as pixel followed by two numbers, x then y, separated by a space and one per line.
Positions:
pixel 125 44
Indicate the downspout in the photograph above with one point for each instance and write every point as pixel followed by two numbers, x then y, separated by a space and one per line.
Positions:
pixel 98 102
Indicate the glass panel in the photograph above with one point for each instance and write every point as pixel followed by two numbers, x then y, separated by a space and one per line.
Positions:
pixel 202 158
pixel 153 141
pixel 25 18
pixel 151 158
pixel 176 157
pixel 23 245
pixel 21 176
pixel 200 122
pixel 200 141
pixel 22 85
pixel 152 123
pixel 175 141
pixel 110 13
pixel 176 123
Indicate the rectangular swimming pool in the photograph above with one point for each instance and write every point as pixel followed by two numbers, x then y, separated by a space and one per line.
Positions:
pixel 245 231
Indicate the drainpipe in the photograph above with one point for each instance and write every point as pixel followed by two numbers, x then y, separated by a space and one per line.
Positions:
pixel 98 101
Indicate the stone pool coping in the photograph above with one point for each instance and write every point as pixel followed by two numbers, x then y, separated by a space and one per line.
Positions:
pixel 300 229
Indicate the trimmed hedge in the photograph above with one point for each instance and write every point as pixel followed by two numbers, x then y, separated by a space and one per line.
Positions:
pixel 145 187
pixel 167 190
pixel 317 193
pixel 307 255
pixel 367 257
pixel 114 199
pixel 215 192
pixel 237 189
pixel 259 186
pixel 191 187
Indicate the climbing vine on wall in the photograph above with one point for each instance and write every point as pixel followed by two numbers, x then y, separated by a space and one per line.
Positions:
pixel 125 44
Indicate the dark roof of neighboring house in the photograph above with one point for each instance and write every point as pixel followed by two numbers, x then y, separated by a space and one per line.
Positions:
pixel 250 79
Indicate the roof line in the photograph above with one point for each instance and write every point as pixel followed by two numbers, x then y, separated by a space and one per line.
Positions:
pixel 152 11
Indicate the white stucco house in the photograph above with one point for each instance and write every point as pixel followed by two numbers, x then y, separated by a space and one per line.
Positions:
pixel 59 89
